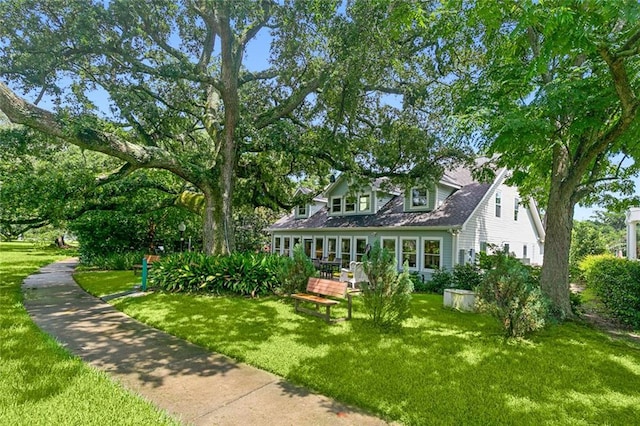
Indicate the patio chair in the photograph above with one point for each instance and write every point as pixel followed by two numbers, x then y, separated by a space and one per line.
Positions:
pixel 357 274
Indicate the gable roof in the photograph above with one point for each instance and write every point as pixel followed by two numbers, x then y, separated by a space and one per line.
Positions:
pixel 452 213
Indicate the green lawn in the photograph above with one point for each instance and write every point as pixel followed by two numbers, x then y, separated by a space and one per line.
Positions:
pixel 102 283
pixel 40 383
pixel 445 367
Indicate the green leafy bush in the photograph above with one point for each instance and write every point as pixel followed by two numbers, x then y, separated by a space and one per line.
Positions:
pixel 466 276
pixel 617 283
pixel 440 279
pixel 511 293
pixel 387 295
pixel 114 261
pixel 295 273
pixel 419 284
pixel 247 274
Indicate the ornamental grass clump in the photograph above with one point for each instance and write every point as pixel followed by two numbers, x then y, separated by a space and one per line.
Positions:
pixel 511 293
pixel 387 295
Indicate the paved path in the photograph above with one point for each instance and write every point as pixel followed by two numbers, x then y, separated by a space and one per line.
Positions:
pixel 197 386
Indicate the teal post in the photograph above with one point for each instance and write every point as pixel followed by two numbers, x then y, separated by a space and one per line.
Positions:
pixel 143 286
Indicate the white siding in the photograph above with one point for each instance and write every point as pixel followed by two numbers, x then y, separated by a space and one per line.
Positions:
pixel 484 226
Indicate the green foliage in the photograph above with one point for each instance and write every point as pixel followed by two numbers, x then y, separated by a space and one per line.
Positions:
pixel 419 284
pixel 466 276
pixel 387 295
pixel 246 274
pixel 511 293
pixel 617 283
pixel 250 225
pixel 295 273
pixel 586 239
pixel 440 279
pixel 114 261
pixel 103 234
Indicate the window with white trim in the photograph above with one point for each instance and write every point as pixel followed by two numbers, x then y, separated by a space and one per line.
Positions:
pixel 431 253
pixel 516 207
pixel 498 203
pixel 345 251
pixel 332 248
pixel 301 211
pixel 419 198
pixel 307 245
pixel 350 205
pixel 336 205
pixel 361 247
pixel 409 252
pixel 277 245
pixel 364 203
pixel 389 244
pixel 319 247
pixel 286 246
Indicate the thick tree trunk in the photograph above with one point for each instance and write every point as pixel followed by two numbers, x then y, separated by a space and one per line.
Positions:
pixel 213 222
pixel 554 278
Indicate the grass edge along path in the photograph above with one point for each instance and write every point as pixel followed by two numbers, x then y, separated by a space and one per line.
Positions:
pixel 40 382
pixel 445 367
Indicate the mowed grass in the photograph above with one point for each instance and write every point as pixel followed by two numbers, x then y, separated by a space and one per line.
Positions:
pixel 103 283
pixel 444 367
pixel 41 383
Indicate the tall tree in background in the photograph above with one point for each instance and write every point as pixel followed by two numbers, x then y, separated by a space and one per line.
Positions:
pixel 556 98
pixel 181 99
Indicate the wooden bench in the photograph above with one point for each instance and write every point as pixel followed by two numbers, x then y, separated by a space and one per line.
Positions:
pixel 317 288
pixel 150 259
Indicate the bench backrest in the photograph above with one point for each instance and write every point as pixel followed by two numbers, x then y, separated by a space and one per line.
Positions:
pixel 151 257
pixel 327 287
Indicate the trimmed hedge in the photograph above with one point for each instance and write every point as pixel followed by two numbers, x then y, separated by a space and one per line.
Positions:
pixel 246 274
pixel 617 283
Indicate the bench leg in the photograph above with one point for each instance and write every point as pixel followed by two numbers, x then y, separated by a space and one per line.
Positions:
pixel 327 315
pixel 348 307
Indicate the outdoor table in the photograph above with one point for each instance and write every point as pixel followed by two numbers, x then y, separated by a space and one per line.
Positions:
pixel 328 267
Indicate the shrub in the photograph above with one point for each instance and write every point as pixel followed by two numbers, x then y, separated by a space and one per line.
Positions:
pixel 419 284
pixel 114 261
pixel 247 274
pixel 617 283
pixel 387 295
pixel 440 279
pixel 511 293
pixel 466 276
pixel 294 274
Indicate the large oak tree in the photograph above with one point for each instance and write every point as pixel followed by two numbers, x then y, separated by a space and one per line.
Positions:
pixel 182 99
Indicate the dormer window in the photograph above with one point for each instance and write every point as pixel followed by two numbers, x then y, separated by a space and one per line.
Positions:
pixel 419 198
pixel 336 205
pixel 301 211
pixel 364 203
pixel 350 205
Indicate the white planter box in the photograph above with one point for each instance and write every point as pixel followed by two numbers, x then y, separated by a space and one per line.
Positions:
pixel 462 300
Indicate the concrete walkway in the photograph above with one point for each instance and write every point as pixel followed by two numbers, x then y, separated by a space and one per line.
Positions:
pixel 196 386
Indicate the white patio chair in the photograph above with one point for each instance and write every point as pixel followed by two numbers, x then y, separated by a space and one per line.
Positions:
pixel 357 274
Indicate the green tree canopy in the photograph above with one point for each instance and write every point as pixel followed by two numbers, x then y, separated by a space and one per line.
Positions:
pixel 555 98
pixel 182 99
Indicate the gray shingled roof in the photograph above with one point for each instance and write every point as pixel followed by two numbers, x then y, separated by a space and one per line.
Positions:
pixel 455 210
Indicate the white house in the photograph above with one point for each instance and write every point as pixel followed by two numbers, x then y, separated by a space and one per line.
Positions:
pixel 439 227
pixel 633 233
